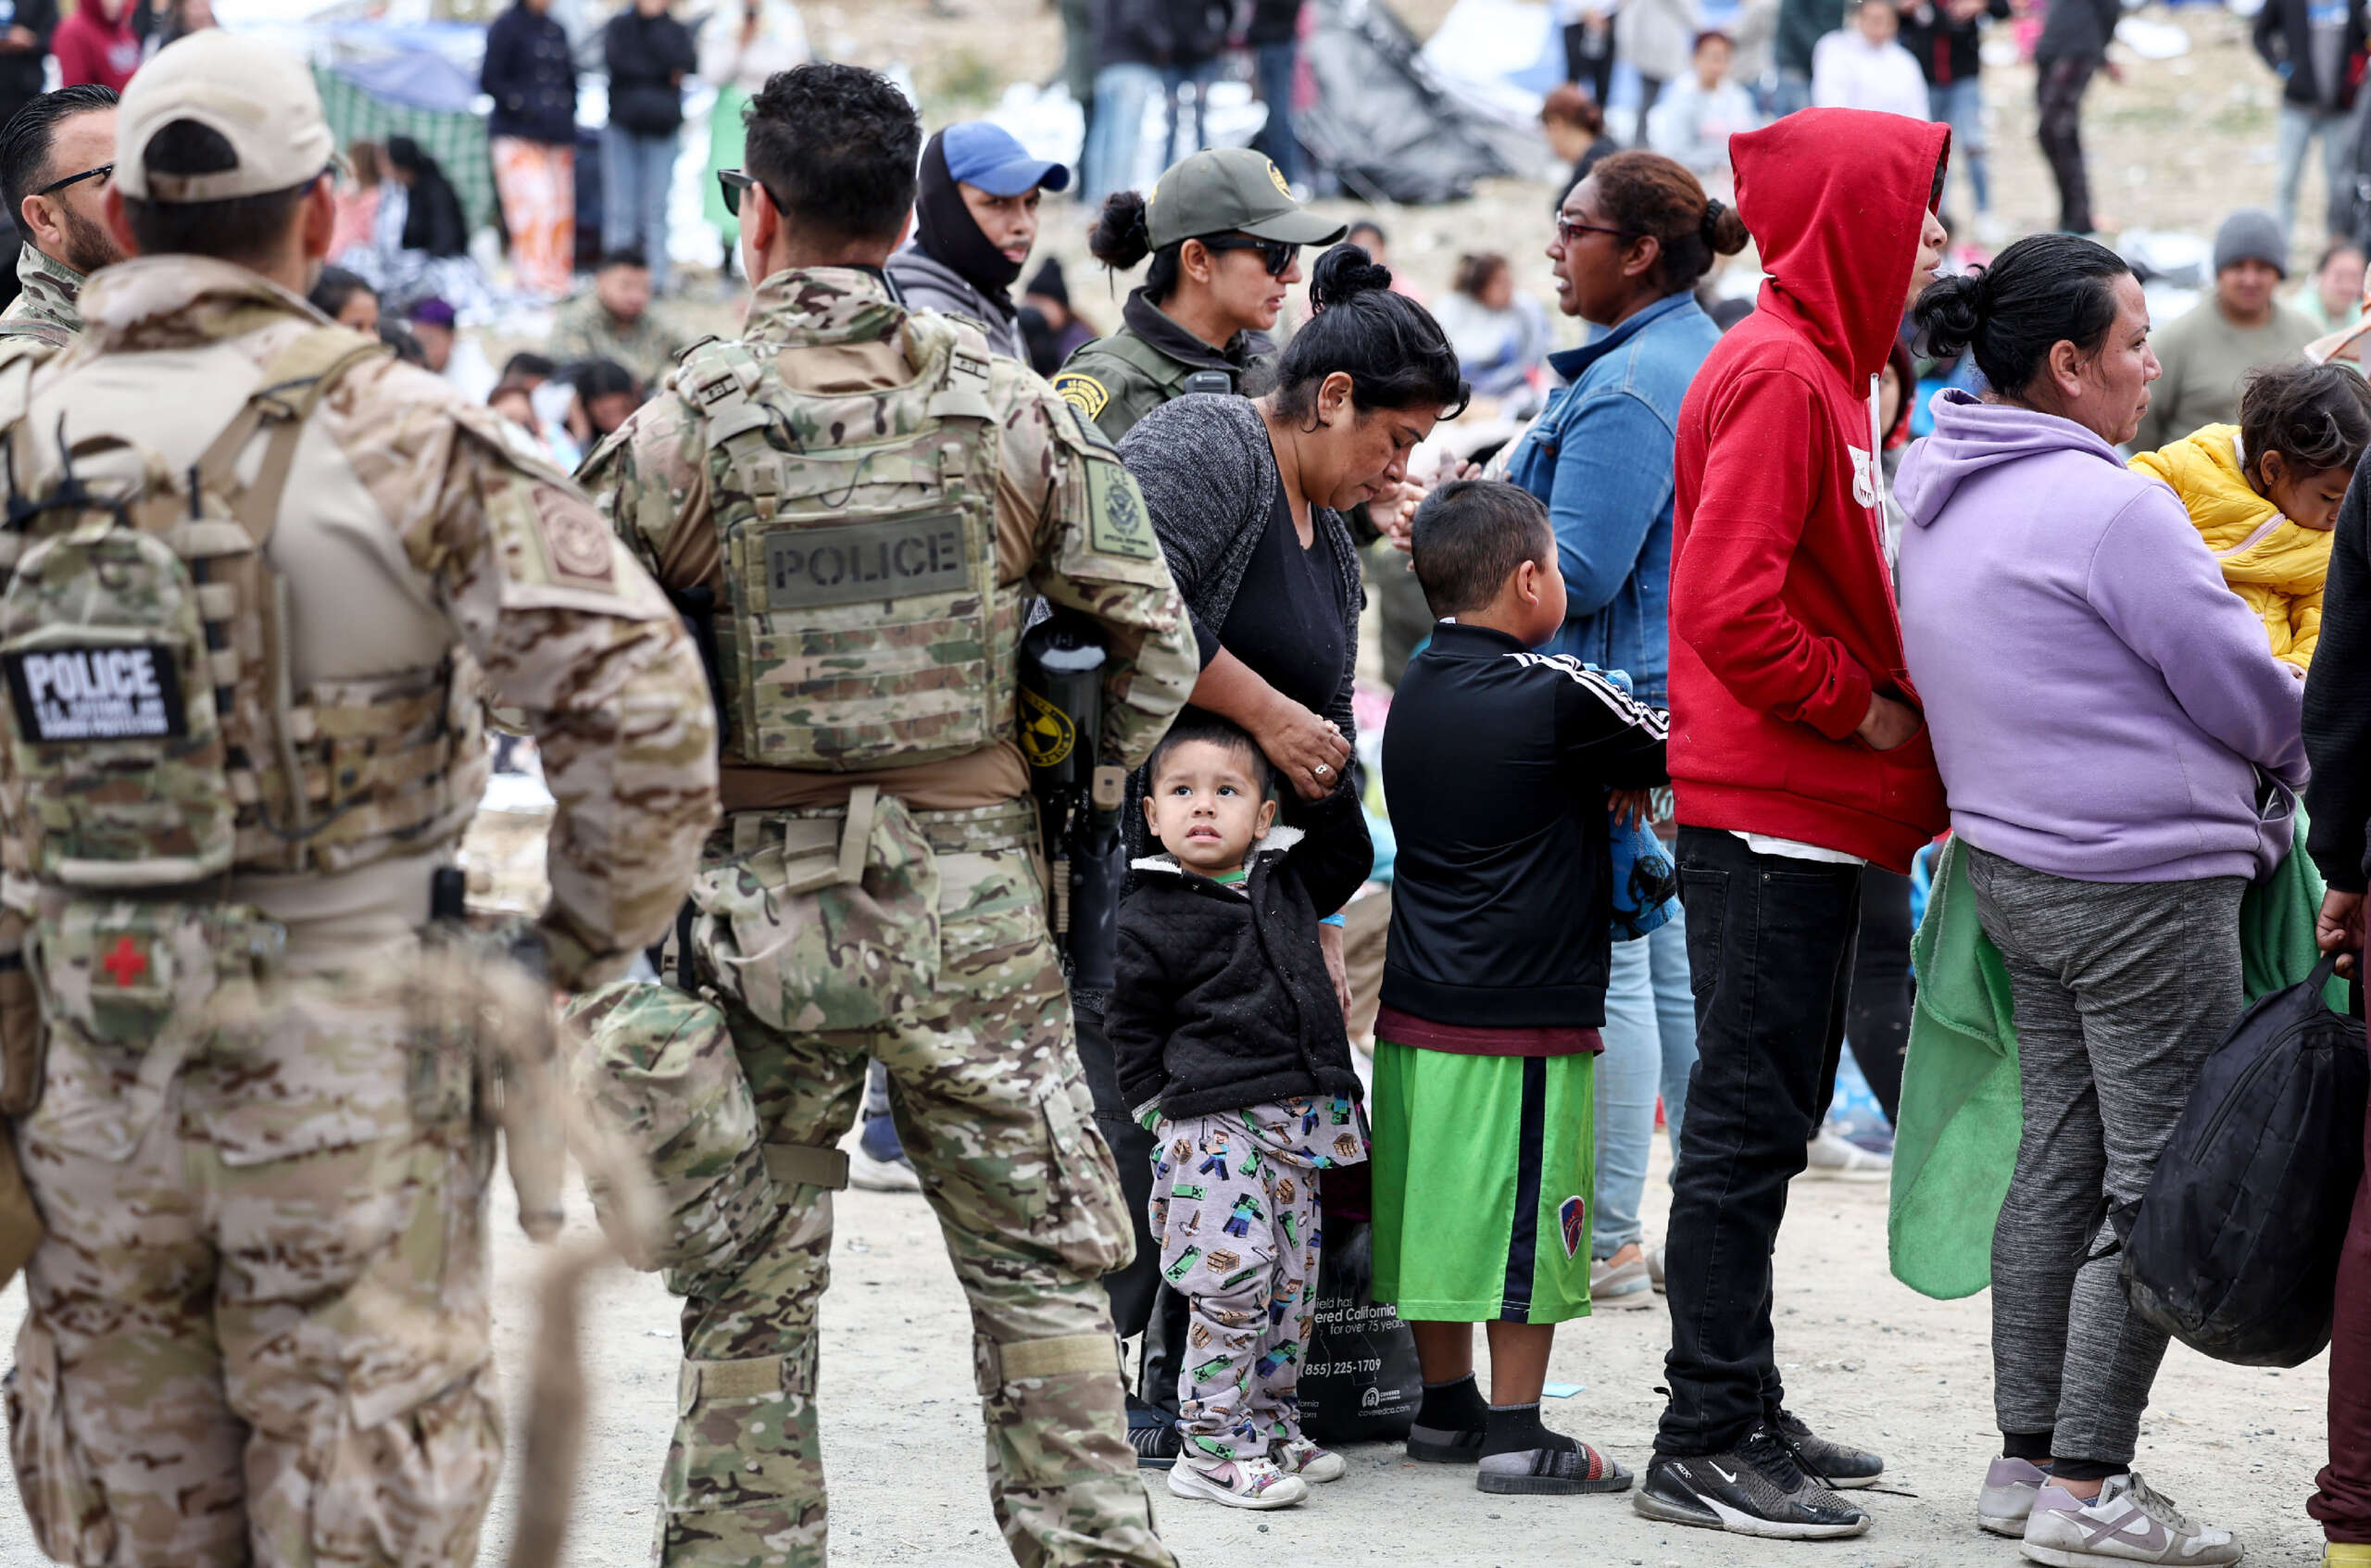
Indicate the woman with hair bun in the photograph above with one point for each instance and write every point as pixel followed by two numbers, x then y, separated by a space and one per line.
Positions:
pixel 2120 746
pixel 1632 242
pixel 1224 235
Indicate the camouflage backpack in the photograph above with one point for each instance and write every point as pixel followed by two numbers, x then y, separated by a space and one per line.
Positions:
pixel 154 737
pixel 859 557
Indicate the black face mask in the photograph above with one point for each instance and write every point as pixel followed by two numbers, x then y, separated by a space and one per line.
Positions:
pixel 951 234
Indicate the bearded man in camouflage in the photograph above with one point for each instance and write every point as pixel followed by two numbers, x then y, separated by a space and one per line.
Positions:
pixel 869 500
pixel 56 156
pixel 263 587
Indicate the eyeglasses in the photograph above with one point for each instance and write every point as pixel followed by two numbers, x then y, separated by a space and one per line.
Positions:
pixel 1279 255
pixel 733 181
pixel 102 173
pixel 1568 230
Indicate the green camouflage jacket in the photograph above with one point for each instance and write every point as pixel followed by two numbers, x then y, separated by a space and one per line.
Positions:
pixel 45 306
pixel 1071 525
pixel 648 345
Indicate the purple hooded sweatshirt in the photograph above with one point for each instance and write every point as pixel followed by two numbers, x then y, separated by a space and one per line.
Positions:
pixel 2102 707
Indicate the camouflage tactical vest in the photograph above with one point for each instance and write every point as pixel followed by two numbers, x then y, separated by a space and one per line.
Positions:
pixel 155 739
pixel 858 541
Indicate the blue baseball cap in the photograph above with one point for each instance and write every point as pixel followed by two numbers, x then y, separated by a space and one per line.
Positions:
pixel 993 158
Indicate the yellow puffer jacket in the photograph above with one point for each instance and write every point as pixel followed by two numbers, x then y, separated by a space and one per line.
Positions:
pixel 2275 566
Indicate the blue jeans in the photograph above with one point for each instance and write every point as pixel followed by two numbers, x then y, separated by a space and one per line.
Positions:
pixel 1793 91
pixel 1959 105
pixel 1650 1044
pixel 1173 83
pixel 635 174
pixel 1277 64
pixel 1115 145
pixel 2298 128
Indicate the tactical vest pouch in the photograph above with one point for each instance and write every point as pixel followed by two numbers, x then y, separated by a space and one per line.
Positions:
pixel 804 948
pixel 867 625
pixel 112 694
pixel 20 1031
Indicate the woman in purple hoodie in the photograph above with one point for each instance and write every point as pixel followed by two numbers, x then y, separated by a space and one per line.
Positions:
pixel 2120 749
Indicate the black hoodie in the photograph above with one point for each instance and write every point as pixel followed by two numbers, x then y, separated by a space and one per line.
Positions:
pixel 1222 999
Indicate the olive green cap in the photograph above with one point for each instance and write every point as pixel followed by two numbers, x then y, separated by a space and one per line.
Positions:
pixel 1222 190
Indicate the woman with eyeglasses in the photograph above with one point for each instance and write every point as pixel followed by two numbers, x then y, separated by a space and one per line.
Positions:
pixel 1224 235
pixel 1632 242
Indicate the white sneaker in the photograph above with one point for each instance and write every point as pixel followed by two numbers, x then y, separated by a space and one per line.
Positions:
pixel 1299 1456
pixel 2126 1522
pixel 2007 1500
pixel 1834 1160
pixel 881 1175
pixel 1237 1482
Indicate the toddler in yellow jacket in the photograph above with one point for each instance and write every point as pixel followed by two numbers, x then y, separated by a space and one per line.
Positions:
pixel 2265 492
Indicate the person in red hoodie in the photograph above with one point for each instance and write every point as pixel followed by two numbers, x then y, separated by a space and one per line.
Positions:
pixel 1797 756
pixel 96 44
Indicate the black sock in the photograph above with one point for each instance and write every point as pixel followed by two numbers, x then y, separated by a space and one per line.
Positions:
pixel 1516 1429
pixel 2088 1469
pixel 1455 1406
pixel 2031 1447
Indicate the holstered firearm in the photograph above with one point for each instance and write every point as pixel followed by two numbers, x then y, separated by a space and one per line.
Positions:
pixel 491 988
pixel 1061 730
pixel 697 607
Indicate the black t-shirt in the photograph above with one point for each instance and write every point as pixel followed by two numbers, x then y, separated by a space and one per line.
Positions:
pixel 1287 621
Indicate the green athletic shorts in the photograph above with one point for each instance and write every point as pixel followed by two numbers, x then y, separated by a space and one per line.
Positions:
pixel 1484 1168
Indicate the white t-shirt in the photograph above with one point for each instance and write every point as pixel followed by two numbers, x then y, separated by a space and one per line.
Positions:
pixel 1848 74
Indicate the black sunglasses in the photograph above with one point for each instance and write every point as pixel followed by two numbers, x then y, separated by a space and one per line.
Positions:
pixel 103 171
pixel 732 182
pixel 1279 255
pixel 1566 229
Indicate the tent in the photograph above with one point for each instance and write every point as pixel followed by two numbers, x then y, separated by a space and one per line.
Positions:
pixel 1388 125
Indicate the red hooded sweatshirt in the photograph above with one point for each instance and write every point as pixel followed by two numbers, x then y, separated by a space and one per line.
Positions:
pixel 1782 611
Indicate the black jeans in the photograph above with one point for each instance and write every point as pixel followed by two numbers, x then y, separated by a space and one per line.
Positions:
pixel 2058 96
pixel 1878 1025
pixel 1770 956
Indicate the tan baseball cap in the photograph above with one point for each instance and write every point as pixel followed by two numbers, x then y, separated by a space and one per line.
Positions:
pixel 1226 189
pixel 259 99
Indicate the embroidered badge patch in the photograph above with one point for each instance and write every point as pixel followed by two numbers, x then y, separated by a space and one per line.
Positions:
pixel 1573 1220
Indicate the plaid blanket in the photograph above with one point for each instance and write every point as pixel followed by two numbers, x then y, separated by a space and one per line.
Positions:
pixel 455 140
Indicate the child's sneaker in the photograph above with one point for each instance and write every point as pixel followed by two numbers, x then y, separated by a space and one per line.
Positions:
pixel 1237 1482
pixel 1299 1456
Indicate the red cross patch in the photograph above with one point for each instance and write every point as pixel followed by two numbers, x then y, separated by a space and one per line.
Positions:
pixel 125 963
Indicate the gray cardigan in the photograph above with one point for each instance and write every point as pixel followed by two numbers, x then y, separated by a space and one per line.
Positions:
pixel 1209 477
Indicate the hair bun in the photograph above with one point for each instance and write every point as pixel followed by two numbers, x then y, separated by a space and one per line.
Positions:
pixel 1951 314
pixel 1342 272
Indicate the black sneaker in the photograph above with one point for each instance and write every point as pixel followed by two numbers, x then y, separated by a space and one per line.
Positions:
pixel 1153 1433
pixel 1755 1489
pixel 1838 1466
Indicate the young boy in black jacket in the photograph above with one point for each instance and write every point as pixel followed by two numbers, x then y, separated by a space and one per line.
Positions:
pixel 1497 762
pixel 1232 1048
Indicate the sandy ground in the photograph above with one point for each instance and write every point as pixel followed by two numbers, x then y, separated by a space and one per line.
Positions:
pixel 1865 1358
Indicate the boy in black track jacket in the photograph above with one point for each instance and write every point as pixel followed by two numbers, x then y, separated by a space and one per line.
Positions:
pixel 1232 1047
pixel 1497 762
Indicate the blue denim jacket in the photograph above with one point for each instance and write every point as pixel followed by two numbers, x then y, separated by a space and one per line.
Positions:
pixel 1601 457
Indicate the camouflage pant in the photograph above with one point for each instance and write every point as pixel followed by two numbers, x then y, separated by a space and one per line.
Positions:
pixel 939 965
pixel 258 1324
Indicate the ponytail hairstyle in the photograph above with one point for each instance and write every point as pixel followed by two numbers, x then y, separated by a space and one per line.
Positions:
pixel 1395 354
pixel 1650 194
pixel 1122 236
pixel 2044 290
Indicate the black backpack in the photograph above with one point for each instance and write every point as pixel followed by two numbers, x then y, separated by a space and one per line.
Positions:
pixel 2234 1248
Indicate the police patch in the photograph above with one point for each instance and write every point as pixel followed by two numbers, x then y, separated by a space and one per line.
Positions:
pixel 1081 392
pixel 1116 524
pixel 574 540
pixel 97 693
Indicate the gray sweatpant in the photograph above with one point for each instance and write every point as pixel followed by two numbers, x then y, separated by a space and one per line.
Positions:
pixel 2121 989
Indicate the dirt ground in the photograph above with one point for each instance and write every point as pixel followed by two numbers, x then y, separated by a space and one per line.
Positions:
pixel 1865 1358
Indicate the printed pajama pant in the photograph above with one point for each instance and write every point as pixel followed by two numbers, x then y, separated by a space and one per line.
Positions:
pixel 1240 1240
pixel 538 183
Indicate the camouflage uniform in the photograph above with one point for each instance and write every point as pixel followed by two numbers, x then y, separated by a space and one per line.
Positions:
pixel 44 308
pixel 937 961
pixel 647 346
pixel 258 1324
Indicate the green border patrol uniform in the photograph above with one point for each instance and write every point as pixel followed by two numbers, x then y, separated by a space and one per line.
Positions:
pixel 1118 380
pixel 868 499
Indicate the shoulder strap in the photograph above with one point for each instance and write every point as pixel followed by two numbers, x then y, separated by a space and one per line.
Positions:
pixel 294 381
pixel 963 387
pixel 720 378
pixel 1164 372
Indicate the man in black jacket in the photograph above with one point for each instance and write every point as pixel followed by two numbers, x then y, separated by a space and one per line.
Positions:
pixel 650 52
pixel 2311 46
pixel 1946 35
pixel 2073 48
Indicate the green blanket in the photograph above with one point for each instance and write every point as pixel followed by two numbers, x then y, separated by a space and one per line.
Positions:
pixel 1961 1113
